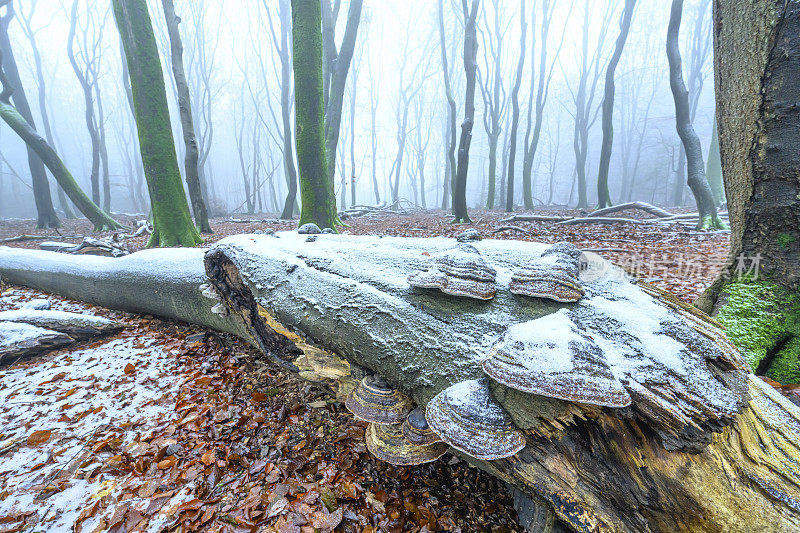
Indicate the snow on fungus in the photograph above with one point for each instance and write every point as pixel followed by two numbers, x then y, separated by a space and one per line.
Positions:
pixel 460 271
pixel 309 229
pixel 416 428
pixel 373 400
pixel 552 357
pixel 388 443
pixel 469 235
pixel 553 276
pixel 468 418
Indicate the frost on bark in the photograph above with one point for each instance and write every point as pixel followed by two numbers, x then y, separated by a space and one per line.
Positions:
pixel 696 171
pixel 45 153
pixel 316 190
pixel 757 65
pixel 46 214
pixel 172 222
pixel 697 443
pixel 187 123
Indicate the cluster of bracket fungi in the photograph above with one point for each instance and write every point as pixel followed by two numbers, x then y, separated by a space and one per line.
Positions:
pixel 465 416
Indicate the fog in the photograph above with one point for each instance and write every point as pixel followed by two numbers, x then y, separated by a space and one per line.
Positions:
pixel 234 76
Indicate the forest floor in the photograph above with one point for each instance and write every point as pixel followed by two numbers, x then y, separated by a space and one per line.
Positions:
pixel 166 425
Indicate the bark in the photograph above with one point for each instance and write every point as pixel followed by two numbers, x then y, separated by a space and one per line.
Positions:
pixel 494 96
pixel 319 202
pixel 696 171
pixel 757 63
pixel 187 123
pixel 450 175
pixel 470 66
pixel 603 194
pixel 512 154
pixel 714 167
pixel 172 221
pixel 38 145
pixel 704 446
pixel 46 214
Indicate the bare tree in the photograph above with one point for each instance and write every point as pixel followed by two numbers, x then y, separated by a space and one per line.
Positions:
pixel 586 112
pixel 470 66
pixel 46 214
pixel 512 150
pixel 336 64
pixel 450 135
pixel 27 28
pixel 603 195
pixel 696 171
pixel 374 97
pixel 492 90
pixel 191 159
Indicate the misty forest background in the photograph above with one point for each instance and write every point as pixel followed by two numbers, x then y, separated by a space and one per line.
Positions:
pixel 395 120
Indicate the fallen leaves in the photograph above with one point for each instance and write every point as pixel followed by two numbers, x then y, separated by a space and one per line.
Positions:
pixel 39 437
pixel 129 369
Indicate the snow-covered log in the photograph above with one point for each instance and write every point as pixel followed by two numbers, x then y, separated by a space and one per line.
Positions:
pixel 623 412
pixel 18 340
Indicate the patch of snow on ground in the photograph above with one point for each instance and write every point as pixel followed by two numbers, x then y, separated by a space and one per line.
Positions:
pixel 76 396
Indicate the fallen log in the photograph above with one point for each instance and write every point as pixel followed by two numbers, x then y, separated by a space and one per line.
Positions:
pixel 604 220
pixel 644 417
pixel 77 326
pixel 23 340
pixel 640 206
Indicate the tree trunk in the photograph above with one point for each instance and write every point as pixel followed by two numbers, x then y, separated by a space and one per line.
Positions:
pixel 284 52
pixel 470 66
pixel 319 202
pixel 46 214
pixel 187 124
pixel 512 154
pixel 704 445
pixel 696 172
pixel 757 65
pixel 48 156
pixel 172 222
pixel 714 167
pixel 603 194
pixel 450 175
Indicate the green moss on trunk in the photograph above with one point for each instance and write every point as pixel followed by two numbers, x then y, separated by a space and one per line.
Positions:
pixel 763 320
pixel 318 200
pixel 172 221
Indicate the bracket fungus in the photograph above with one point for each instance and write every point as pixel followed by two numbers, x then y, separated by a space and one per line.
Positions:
pixel 460 271
pixel 373 400
pixel 388 443
pixel 468 418
pixel 553 276
pixel 552 357
pixel 416 429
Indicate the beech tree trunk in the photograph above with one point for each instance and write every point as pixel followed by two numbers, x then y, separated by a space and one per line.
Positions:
pixel 38 145
pixel 757 65
pixel 603 194
pixel 450 175
pixel 172 222
pixel 46 214
pixel 470 67
pixel 512 153
pixel 696 171
pixel 319 201
pixel 704 446
pixel 187 124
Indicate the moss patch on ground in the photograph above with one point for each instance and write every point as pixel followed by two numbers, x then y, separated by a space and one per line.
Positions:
pixel 763 320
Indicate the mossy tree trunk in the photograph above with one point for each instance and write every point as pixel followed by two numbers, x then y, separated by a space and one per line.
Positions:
pixel 757 65
pixel 172 222
pixel 318 200
pixel 187 124
pixel 696 171
pixel 47 155
pixel 46 214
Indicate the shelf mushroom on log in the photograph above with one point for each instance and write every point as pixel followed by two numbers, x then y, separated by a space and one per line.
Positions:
pixel 673 432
